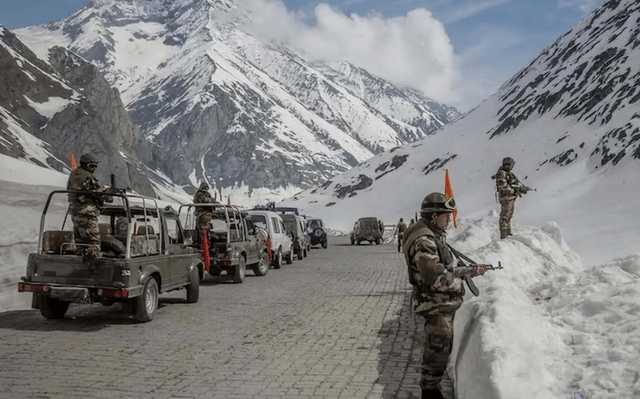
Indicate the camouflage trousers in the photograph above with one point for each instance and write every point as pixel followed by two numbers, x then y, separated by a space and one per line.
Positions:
pixel 86 231
pixel 400 242
pixel 506 213
pixel 202 220
pixel 438 342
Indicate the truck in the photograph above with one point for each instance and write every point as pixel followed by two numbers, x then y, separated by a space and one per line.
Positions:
pixel 142 254
pixel 230 242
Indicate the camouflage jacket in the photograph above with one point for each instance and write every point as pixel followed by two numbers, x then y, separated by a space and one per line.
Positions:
pixel 81 179
pixel 505 181
pixel 202 197
pixel 402 226
pixel 431 263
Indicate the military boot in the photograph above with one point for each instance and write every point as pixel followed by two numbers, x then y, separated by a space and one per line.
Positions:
pixel 509 231
pixel 503 234
pixel 432 394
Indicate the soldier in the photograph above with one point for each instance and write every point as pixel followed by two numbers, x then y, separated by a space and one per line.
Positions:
pixel 203 214
pixel 85 207
pixel 507 191
pixel 400 228
pixel 437 291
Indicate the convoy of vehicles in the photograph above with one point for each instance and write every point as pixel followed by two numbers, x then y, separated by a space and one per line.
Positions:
pixel 147 250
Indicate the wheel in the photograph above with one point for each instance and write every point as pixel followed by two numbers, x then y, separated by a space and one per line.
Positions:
pixel 240 271
pixel 378 241
pixel 289 257
pixel 324 244
pixel 277 260
pixel 262 267
pixel 193 289
pixel 52 308
pixel 300 254
pixel 147 303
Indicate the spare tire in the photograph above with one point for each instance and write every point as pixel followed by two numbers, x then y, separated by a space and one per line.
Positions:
pixel 112 244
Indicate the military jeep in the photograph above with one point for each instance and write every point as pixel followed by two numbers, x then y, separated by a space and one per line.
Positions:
pixel 367 229
pixel 233 242
pixel 142 254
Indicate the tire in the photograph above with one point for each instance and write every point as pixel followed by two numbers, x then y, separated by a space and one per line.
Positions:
pixel 193 289
pixel 147 303
pixel 52 308
pixel 289 257
pixel 324 244
pixel 240 271
pixel 300 254
pixel 378 241
pixel 112 244
pixel 262 267
pixel 277 260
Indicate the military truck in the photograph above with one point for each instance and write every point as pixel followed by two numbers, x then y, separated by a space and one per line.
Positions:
pixel 142 255
pixel 233 242
pixel 367 229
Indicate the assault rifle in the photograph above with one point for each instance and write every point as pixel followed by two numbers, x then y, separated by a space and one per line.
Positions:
pixel 521 188
pixel 465 271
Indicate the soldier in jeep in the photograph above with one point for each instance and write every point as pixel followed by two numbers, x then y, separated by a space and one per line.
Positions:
pixel 85 207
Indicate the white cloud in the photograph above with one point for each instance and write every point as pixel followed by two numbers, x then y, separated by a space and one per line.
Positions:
pixel 584 6
pixel 413 50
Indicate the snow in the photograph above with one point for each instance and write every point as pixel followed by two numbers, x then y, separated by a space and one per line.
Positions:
pixel 545 326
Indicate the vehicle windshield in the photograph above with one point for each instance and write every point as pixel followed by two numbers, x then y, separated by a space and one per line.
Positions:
pixel 289 223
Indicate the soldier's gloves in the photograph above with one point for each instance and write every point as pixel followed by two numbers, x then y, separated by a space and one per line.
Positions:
pixel 479 270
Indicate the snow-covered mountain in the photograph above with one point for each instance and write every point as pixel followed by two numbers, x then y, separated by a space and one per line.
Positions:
pixel 571 120
pixel 49 109
pixel 220 104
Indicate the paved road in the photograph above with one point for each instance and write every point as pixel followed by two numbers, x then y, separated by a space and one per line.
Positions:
pixel 335 325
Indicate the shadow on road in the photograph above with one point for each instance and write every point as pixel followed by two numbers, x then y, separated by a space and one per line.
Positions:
pixel 79 318
pixel 400 354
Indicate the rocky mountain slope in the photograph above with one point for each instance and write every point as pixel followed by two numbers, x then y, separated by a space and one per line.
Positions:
pixel 49 109
pixel 218 104
pixel 570 120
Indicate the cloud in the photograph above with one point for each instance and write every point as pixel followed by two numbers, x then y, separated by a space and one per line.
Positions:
pixel 413 50
pixel 584 6
pixel 470 8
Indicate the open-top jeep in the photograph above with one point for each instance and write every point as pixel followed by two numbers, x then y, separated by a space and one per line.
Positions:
pixel 142 254
pixel 233 241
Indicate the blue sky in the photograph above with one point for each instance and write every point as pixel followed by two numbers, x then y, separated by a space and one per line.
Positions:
pixel 460 51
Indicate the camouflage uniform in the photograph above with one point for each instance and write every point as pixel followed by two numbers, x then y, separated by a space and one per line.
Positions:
pixel 401 227
pixel 505 183
pixel 437 295
pixel 85 210
pixel 203 216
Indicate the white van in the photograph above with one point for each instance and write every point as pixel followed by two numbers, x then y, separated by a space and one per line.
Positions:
pixel 280 240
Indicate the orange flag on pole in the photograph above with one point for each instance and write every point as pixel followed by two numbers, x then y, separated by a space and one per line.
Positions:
pixel 448 192
pixel 204 246
pixel 72 161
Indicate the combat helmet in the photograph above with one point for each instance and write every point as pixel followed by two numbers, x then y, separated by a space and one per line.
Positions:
pixel 88 158
pixel 508 161
pixel 204 186
pixel 437 203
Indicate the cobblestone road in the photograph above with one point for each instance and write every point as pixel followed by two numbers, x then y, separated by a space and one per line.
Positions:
pixel 335 325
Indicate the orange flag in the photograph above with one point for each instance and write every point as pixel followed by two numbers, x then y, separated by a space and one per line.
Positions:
pixel 72 161
pixel 448 192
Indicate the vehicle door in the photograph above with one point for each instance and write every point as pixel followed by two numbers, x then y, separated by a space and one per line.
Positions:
pixel 180 257
pixel 251 243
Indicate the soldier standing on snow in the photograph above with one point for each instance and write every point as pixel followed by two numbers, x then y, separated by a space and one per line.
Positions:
pixel 437 291
pixel 400 228
pixel 85 207
pixel 508 188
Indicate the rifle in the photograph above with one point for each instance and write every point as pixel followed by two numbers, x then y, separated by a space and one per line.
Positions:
pixel 520 188
pixel 465 271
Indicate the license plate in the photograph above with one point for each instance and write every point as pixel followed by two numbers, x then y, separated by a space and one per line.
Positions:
pixel 69 293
